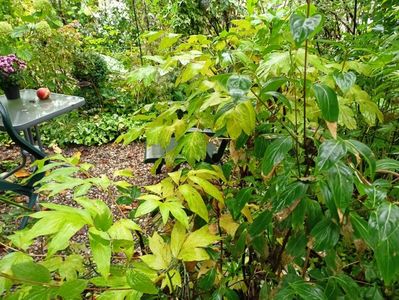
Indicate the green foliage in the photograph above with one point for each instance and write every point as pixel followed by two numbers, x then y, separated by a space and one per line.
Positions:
pixel 90 70
pixel 300 208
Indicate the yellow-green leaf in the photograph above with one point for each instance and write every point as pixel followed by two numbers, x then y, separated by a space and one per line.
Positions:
pixel 208 187
pixel 194 200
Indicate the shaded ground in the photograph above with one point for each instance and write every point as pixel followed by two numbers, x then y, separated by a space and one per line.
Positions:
pixel 106 159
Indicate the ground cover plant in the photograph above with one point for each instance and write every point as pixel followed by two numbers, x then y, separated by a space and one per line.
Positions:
pixel 304 205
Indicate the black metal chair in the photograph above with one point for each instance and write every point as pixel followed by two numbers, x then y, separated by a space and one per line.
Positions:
pixel 26 188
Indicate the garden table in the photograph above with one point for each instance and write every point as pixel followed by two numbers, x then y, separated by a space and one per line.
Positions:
pixel 25 114
pixel 28 112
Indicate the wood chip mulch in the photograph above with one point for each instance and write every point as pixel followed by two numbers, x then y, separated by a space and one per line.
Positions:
pixel 106 159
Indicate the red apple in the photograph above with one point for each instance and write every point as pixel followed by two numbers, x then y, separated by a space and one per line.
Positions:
pixel 43 93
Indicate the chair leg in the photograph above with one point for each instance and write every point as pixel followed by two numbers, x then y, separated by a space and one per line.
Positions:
pixel 32 201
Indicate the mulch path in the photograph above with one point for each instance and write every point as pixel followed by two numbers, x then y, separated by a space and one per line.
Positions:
pixel 105 159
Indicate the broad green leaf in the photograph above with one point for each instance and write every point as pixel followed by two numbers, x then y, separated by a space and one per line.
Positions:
pixel 236 204
pixel 199 238
pixel 360 227
pixel 330 152
pixel 207 281
pixel 191 70
pixel 289 194
pixel 177 211
pixel 277 96
pixel 345 80
pixel 152 36
pixel 100 245
pixel 162 255
pixel 169 40
pixel 275 153
pixel 175 176
pixel 348 285
pixel 341 185
pixel 63 223
pixel 326 234
pixel 122 230
pixel 304 28
pixel 356 148
pixel 30 271
pixel 140 282
pixel 99 211
pixel 387 164
pixel 193 146
pixel 194 200
pixel 120 295
pixel 272 85
pixel 208 187
pixel 124 173
pixel 296 245
pixel 177 239
pixel 274 64
pixel 72 289
pixel 244 115
pixel 327 101
pixel 71 266
pixel 193 254
pixel 146 207
pixel 384 229
pixel 260 223
pixel 307 291
pixel 6 264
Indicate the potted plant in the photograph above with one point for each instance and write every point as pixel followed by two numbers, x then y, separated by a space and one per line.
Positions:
pixel 11 68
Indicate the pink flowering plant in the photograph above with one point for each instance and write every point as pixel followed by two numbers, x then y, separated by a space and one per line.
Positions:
pixel 11 68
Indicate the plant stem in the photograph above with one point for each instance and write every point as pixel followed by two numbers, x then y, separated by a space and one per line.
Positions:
pixel 280 254
pixel 304 90
pixel 138 31
pixel 354 18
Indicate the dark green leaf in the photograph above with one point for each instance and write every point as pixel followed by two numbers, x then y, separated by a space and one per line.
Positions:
pixel 275 153
pixel 326 234
pixel 330 152
pixel 307 291
pixel 207 281
pixel 236 204
pixel 260 223
pixel 238 248
pixel 341 185
pixel 296 245
pixel 384 228
pixel 360 227
pixel 387 164
pixel 273 84
pixel 356 148
pixel 260 245
pixel 124 200
pixel 348 285
pixel 327 101
pixel 291 192
pixel 277 96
